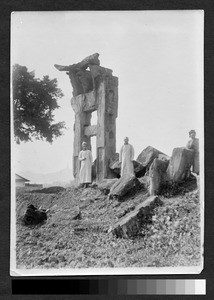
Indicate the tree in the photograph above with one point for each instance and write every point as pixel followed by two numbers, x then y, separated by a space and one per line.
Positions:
pixel 34 101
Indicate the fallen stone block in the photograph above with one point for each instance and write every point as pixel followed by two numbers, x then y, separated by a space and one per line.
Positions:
pixel 123 186
pixel 147 156
pixel 131 224
pixel 114 164
pixel 157 175
pixel 179 164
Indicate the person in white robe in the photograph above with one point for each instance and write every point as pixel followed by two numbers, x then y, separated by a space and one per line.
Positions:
pixel 85 157
pixel 126 158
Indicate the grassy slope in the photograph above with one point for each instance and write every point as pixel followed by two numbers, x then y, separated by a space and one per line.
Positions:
pixel 173 238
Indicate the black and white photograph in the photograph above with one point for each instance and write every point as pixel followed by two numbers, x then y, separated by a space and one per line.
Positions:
pixel 107 142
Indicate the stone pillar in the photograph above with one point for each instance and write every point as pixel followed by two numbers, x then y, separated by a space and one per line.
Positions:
pixel 106 125
pixel 94 89
pixel 82 119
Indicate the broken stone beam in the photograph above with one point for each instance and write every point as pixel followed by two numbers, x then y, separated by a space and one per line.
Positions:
pixel 89 60
pixel 98 71
pixel 123 186
pixel 91 130
pixel 131 224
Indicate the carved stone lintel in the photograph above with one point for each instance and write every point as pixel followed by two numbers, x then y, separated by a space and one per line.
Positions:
pixel 91 130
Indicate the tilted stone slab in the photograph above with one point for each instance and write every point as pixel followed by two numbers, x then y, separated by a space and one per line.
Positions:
pixel 179 164
pixel 124 185
pixel 131 224
pixel 145 182
pixel 157 175
pixel 147 156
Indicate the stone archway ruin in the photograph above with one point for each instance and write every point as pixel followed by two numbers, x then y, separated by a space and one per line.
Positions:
pixel 94 89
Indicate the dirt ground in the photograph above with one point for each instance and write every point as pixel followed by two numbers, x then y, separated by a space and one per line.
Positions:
pixel 172 239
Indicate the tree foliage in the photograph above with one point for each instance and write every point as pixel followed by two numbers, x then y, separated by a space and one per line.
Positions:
pixel 34 101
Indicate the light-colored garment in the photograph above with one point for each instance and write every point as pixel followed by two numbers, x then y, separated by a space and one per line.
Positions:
pixel 85 169
pixel 126 158
pixel 194 145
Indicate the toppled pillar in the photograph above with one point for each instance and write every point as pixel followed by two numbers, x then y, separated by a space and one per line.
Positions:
pixel 125 185
pixel 157 175
pixel 175 170
pixel 131 224
pixel 179 165
pixel 94 89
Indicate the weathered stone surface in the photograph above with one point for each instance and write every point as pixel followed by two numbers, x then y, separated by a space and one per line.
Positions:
pixel 94 89
pixel 131 224
pixel 145 182
pixel 124 186
pixel 90 101
pixel 106 184
pixel 164 157
pixel 89 60
pixel 82 80
pixel 139 169
pixel 147 156
pixel 99 71
pixel 179 165
pixel 91 130
pixel 114 164
pixel 157 175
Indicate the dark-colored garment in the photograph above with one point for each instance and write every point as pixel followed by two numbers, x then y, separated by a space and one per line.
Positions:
pixel 34 216
pixel 194 145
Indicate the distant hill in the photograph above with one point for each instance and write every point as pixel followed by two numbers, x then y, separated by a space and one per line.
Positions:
pixel 61 177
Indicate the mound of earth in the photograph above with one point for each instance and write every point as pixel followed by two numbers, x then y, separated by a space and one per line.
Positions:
pixel 50 190
pixel 172 239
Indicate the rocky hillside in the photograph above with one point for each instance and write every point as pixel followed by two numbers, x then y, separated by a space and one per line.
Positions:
pixel 171 238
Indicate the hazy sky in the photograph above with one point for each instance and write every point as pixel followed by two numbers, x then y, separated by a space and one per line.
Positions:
pixel 157 56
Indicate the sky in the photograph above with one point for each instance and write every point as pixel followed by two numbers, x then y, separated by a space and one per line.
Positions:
pixel 157 56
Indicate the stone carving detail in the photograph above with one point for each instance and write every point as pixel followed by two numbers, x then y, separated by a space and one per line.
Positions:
pixel 94 89
pixel 83 80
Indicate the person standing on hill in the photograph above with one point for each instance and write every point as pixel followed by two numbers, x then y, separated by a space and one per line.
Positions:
pixel 86 160
pixel 126 158
pixel 193 144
